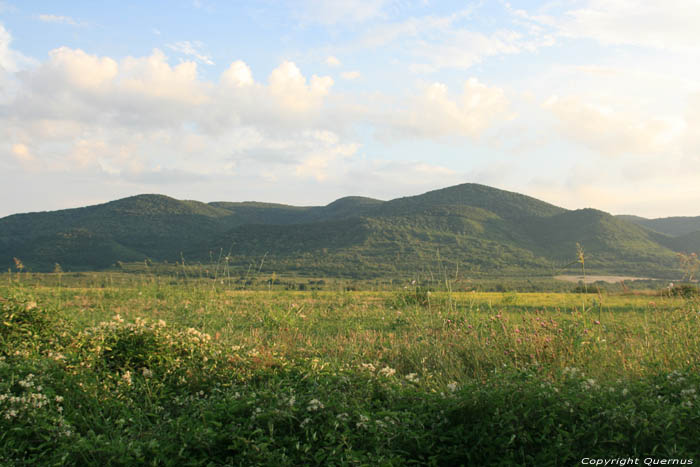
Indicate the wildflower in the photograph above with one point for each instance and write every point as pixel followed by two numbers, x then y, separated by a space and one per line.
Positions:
pixel 126 377
pixel 368 366
pixel 291 401
pixel 452 386
pixel 342 417
pixel 146 372
pixel 363 422
pixel 386 371
pixel 412 377
pixel 314 405
pixel 304 422
pixel 589 384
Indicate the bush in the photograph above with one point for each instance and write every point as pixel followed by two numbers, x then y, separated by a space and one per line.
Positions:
pixel 682 290
pixel 22 320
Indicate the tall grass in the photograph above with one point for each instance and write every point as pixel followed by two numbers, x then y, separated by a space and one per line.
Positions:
pixel 159 374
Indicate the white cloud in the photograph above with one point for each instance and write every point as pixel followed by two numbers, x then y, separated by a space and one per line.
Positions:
pixel 436 114
pixel 237 74
pixel 326 150
pixel 141 115
pixel 152 77
pixel 58 19
pixel 451 41
pixel 350 75
pixel 79 69
pixel 668 25
pixel 332 61
pixel 289 86
pixel 612 132
pixel 691 140
pixel 192 49
pixel 11 60
pixel 21 152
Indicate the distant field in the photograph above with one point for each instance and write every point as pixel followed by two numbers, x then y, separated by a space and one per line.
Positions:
pixel 594 278
pixel 198 374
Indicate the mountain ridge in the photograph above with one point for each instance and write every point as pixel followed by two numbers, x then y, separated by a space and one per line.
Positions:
pixel 469 226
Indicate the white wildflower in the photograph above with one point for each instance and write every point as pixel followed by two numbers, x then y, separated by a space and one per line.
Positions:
pixel 314 405
pixel 589 384
pixel 363 422
pixel 386 371
pixel 368 366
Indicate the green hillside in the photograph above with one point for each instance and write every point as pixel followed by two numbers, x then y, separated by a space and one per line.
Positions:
pixel 503 203
pixel 608 241
pixel 688 243
pixel 469 227
pixel 673 226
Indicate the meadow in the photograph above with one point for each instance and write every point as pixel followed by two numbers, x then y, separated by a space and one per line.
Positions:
pixel 155 371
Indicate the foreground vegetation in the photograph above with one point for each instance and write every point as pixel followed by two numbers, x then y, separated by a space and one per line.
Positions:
pixel 195 374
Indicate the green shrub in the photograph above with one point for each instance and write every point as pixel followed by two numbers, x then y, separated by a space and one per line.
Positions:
pixel 682 290
pixel 22 320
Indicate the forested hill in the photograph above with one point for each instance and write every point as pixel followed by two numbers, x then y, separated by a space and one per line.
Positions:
pixel 472 227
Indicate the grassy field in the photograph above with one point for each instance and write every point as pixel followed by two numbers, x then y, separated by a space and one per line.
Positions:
pixel 156 373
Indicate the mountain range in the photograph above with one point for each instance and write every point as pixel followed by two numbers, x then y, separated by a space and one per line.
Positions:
pixel 470 227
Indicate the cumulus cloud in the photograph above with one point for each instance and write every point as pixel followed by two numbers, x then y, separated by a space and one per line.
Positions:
pixel 10 60
pixel 289 86
pixel 612 132
pixel 238 74
pixel 435 113
pixel 142 115
pixel 78 69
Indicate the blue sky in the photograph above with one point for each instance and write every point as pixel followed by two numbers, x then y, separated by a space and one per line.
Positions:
pixel 586 103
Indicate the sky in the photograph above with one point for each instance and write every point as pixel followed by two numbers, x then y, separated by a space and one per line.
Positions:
pixel 590 103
